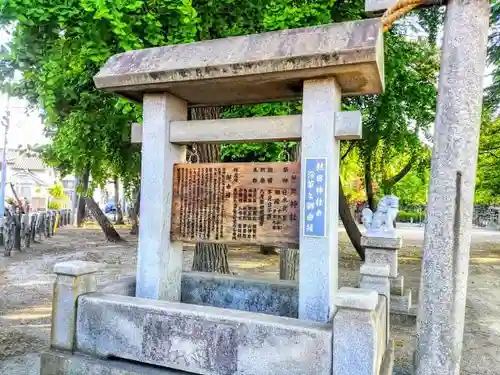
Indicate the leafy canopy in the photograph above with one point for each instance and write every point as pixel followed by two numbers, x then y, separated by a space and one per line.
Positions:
pixel 60 45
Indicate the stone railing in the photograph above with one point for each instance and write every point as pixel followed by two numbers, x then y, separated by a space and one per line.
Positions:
pixel 19 231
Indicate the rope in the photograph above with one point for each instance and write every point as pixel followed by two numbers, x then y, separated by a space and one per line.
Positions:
pixel 398 10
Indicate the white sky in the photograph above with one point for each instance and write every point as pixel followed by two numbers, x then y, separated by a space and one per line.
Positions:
pixel 24 128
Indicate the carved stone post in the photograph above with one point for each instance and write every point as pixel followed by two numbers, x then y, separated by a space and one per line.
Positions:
pixel 47 225
pixel 2 239
pixel 17 231
pixel 34 219
pixel 74 278
pixel 360 335
pixel 376 277
pixel 25 229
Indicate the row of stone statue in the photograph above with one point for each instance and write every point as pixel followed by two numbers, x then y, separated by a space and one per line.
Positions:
pixel 18 231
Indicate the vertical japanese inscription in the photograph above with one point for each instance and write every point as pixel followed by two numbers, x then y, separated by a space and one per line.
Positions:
pixel 200 203
pixel 315 197
pixel 237 203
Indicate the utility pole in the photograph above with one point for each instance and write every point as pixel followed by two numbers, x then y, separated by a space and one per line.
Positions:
pixel 5 124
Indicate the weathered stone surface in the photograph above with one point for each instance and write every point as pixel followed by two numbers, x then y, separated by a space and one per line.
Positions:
pixel 375 269
pixel 380 256
pixel 401 304
pixel 381 242
pixel 348 125
pixel 64 363
pixel 159 260
pixel 136 133
pixel 381 222
pixel 378 6
pixel 124 287
pixel 251 129
pixel 74 279
pixel 446 248
pixel 380 284
pixel 200 339
pixel 355 298
pixel 76 267
pixel 280 298
pixel 263 67
pixel 359 340
pixel 387 366
pixel 275 298
pixel 397 285
pixel 318 263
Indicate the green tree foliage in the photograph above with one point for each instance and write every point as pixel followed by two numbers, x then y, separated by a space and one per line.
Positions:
pixel 60 45
pixel 413 188
pixel 493 92
pixel 397 121
pixel 488 169
pixel 56 191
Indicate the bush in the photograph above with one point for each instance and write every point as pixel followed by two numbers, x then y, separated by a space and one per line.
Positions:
pixel 409 216
pixel 54 206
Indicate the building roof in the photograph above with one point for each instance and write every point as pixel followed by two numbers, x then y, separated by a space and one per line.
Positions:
pixel 29 162
pixel 17 160
pixel 27 176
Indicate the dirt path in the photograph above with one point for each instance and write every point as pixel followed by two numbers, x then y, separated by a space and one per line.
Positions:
pixel 26 291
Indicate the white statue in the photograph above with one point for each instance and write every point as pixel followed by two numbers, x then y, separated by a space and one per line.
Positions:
pixel 381 223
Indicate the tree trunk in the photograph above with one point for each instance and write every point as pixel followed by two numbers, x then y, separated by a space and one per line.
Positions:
pixel 210 258
pixel 106 226
pixel 289 258
pixel 134 213
pixel 207 257
pixel 80 215
pixel 289 264
pixel 118 205
pixel 74 202
pixel 389 183
pixel 349 222
pixel 370 195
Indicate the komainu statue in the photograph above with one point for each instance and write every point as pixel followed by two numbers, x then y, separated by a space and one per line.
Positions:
pixel 381 222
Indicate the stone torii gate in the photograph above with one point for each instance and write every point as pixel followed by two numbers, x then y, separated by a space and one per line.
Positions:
pixel 445 259
pixel 211 324
pixel 248 69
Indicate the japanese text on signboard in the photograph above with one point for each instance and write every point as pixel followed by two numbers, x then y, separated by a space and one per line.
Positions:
pixel 315 197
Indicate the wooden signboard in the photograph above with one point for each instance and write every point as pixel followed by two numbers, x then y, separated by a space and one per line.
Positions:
pixel 237 203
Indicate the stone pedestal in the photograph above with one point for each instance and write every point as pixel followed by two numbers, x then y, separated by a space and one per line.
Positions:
pixel 2 238
pixel 74 278
pixel 384 251
pixel 360 334
pixel 376 277
pixel 397 285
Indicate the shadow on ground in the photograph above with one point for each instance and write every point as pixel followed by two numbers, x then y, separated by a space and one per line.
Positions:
pixel 26 291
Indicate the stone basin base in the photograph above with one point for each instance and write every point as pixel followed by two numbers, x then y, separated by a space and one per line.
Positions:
pixel 64 363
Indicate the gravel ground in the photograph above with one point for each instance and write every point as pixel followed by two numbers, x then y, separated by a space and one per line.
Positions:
pixel 26 292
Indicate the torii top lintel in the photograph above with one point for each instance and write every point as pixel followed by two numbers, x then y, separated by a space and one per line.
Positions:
pixel 253 68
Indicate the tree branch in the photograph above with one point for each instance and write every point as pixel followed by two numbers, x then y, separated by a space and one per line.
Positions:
pixel 487 150
pixel 349 222
pixel 401 174
pixel 368 183
pixel 351 146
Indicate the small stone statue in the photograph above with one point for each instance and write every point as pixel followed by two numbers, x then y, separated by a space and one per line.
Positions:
pixel 381 223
